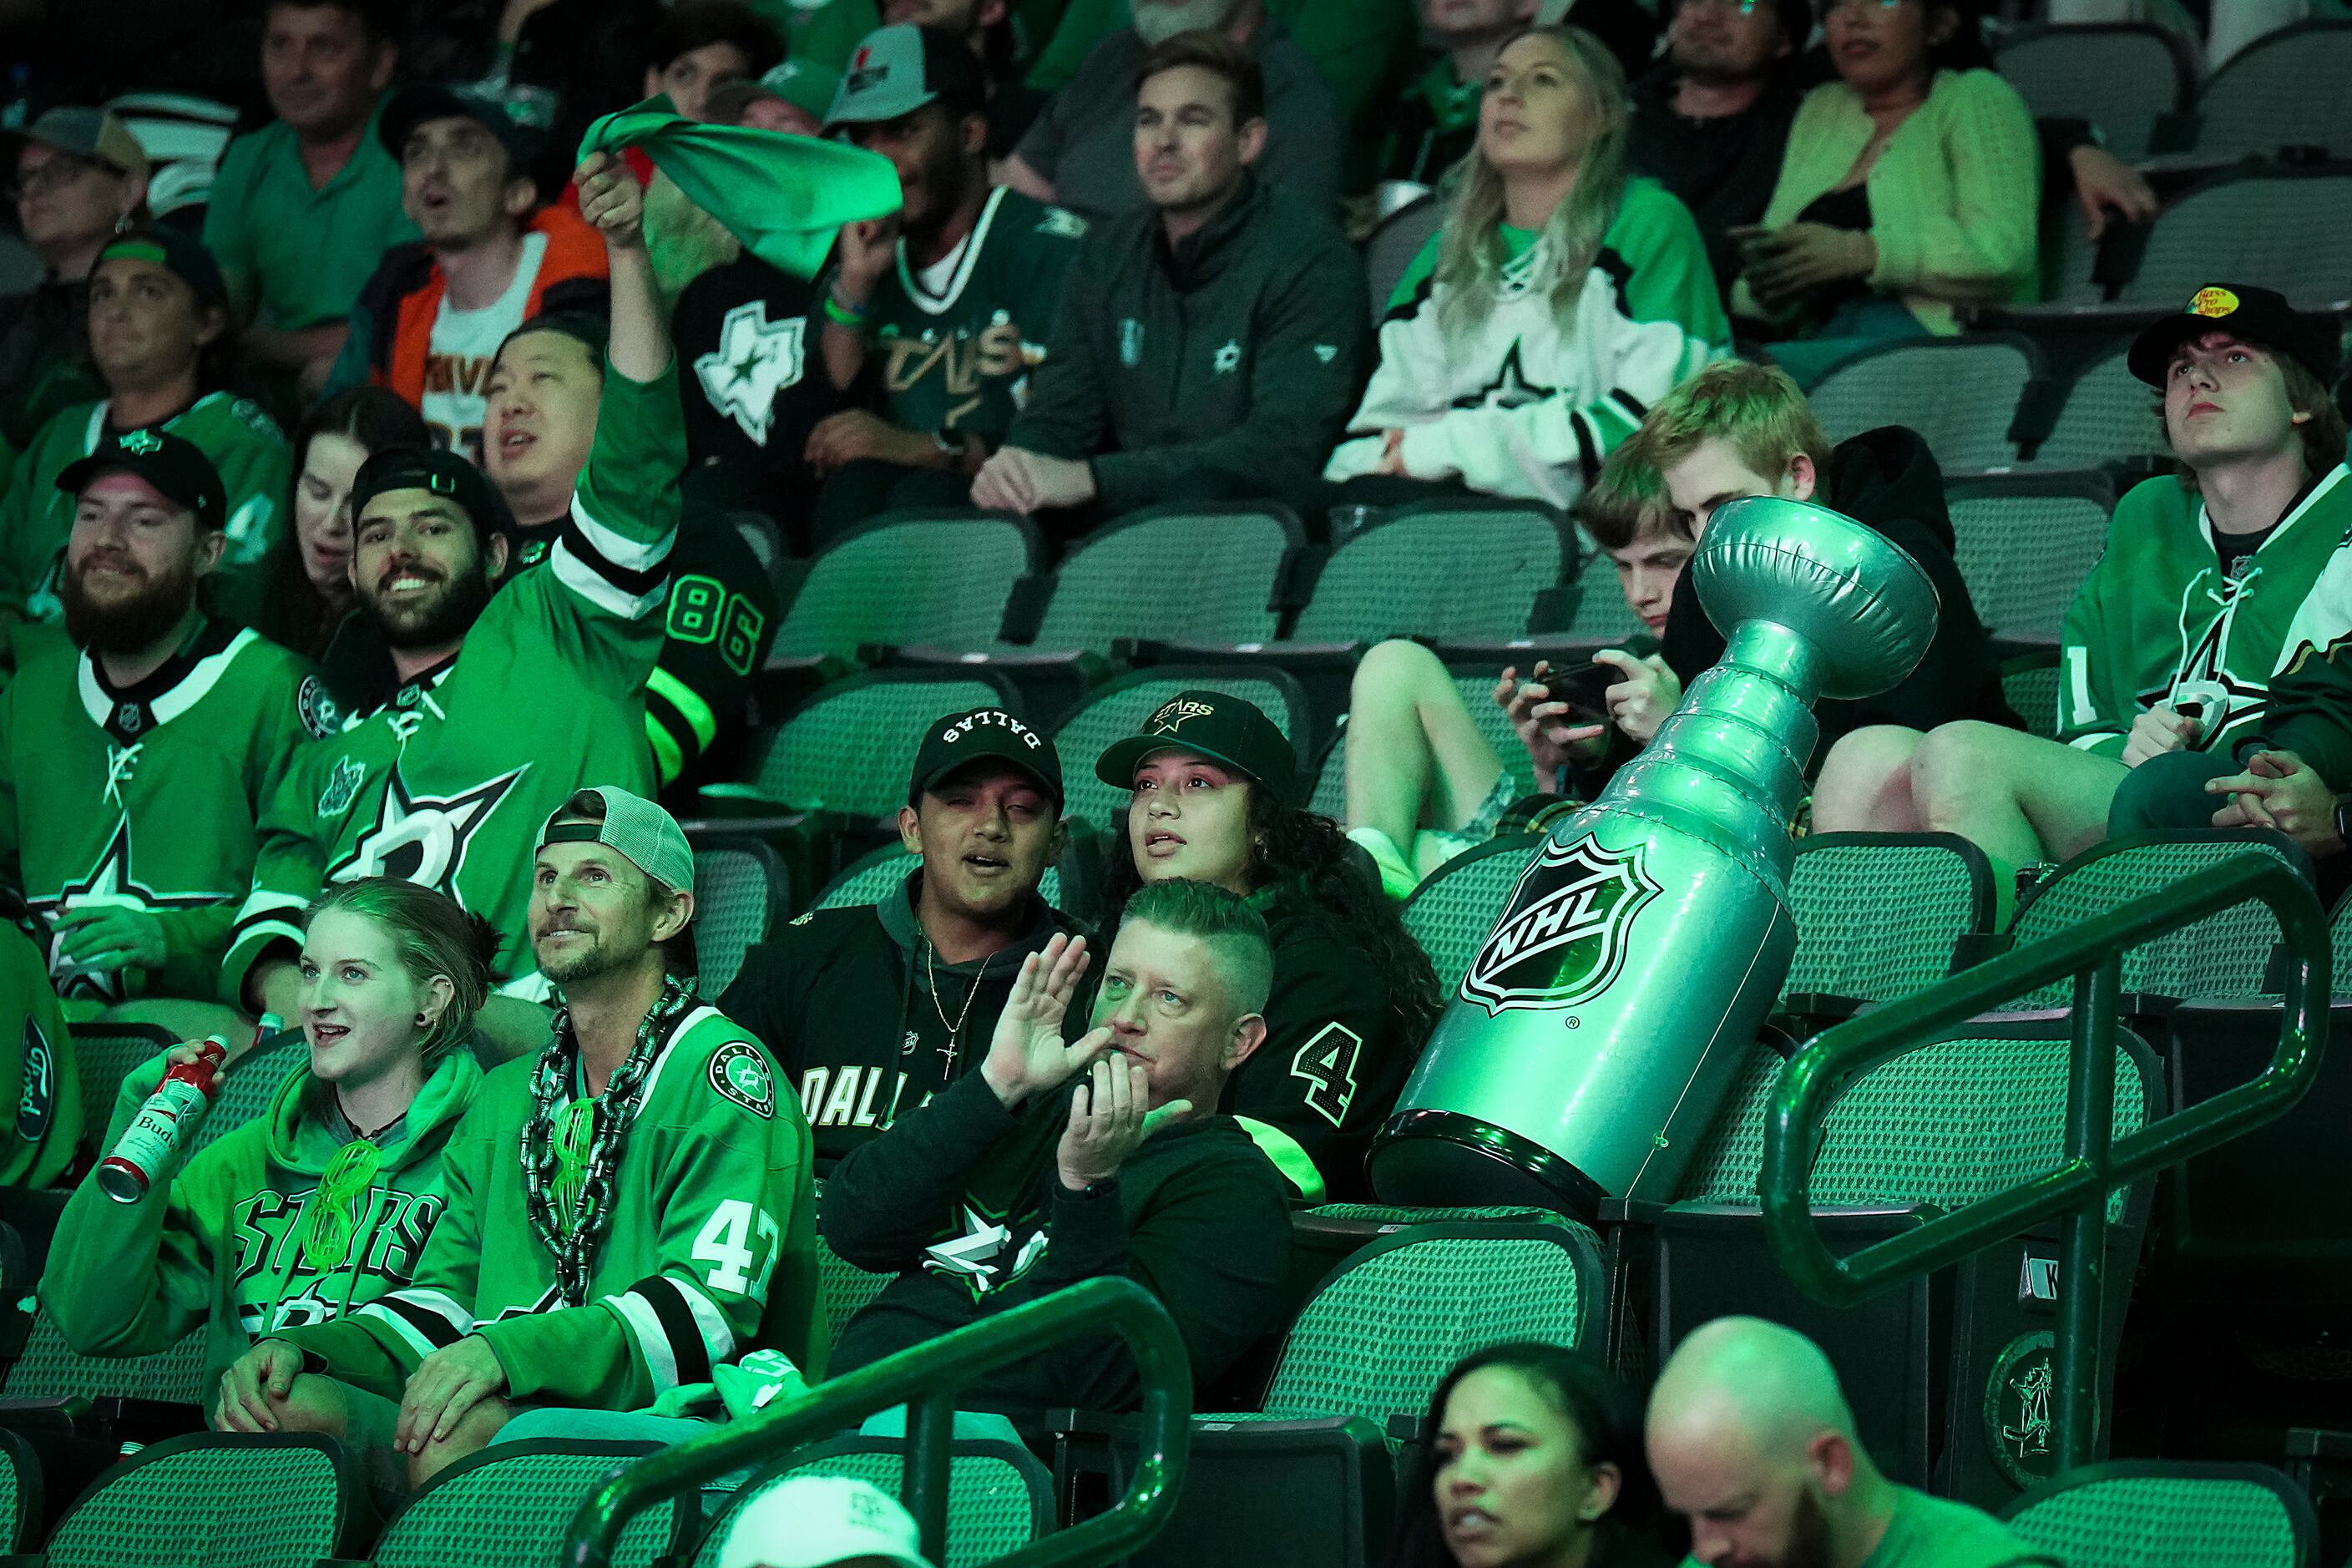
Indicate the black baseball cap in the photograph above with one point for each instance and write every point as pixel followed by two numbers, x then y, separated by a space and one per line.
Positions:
pixel 515 121
pixel 984 734
pixel 176 467
pixel 2260 316
pixel 180 254
pixel 895 70
pixel 1222 728
pixel 443 473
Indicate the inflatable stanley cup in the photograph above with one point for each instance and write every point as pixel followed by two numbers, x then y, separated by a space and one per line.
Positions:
pixel 1601 1022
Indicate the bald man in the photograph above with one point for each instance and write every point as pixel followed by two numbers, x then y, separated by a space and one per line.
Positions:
pixel 1751 1440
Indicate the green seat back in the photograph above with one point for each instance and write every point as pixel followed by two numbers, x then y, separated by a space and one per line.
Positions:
pixel 104 1054
pixel 20 1493
pixel 2030 686
pixel 1120 710
pixel 2291 231
pixel 222 1502
pixel 2224 955
pixel 1000 1499
pixel 851 747
pixel 1467 575
pixel 736 896
pixel 1602 616
pixel 2283 89
pixel 1878 917
pixel 2157 1521
pixel 1452 913
pixel 1952 1123
pixel 938 582
pixel 1382 1332
pixel 2024 555
pixel 2120 79
pixel 1144 577
pixel 1959 393
pixel 1330 796
pixel 246 1089
pixel 514 1504
pixel 49 1368
pixel 846 1287
pixel 2110 414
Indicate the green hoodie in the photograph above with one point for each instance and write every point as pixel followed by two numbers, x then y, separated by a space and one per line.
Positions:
pixel 223 1245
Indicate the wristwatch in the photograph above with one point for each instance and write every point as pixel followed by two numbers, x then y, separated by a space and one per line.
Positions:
pixel 2343 821
pixel 1088 1193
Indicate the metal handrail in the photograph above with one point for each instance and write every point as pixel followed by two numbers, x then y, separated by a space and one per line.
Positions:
pixel 2096 1163
pixel 925 1380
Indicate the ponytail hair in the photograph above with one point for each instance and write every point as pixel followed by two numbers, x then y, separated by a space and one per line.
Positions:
pixel 432 937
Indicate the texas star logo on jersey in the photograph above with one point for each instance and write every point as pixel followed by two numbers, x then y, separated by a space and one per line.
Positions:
pixel 2204 688
pixel 973 1255
pixel 1564 939
pixel 423 838
pixel 107 884
pixel 755 360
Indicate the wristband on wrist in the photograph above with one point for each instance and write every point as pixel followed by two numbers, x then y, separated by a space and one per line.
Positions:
pixel 854 317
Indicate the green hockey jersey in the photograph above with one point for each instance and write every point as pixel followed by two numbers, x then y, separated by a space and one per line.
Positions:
pixel 2159 620
pixel 449 779
pixel 145 796
pixel 36 1069
pixel 243 443
pixel 955 344
pixel 712 1251
pixel 222 1244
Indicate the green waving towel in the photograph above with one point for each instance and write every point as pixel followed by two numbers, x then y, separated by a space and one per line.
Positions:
pixel 783 196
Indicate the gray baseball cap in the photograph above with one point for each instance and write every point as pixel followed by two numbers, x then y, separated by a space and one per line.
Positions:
pixel 896 70
pixel 649 836
pixel 95 135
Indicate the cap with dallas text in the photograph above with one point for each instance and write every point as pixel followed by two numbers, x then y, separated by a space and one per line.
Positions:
pixel 960 740
pixel 2259 316
pixel 1213 724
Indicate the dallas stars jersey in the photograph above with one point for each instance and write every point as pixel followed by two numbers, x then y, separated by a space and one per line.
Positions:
pixel 36 1069
pixel 144 798
pixel 957 360
pixel 711 1250
pixel 447 783
pixel 221 1243
pixel 2159 621
pixel 243 443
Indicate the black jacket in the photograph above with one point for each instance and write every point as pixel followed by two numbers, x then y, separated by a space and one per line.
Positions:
pixel 1220 370
pixel 1334 1059
pixel 1888 479
pixel 845 1001
pixel 1723 168
pixel 44 365
pixel 962 1202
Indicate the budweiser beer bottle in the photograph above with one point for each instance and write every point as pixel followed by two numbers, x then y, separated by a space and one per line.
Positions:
pixel 163 1125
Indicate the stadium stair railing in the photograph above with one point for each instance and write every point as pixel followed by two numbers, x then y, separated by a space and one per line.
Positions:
pixel 925 1380
pixel 2074 1191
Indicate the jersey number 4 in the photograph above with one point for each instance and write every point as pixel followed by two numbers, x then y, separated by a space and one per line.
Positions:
pixel 725 1244
pixel 1327 1066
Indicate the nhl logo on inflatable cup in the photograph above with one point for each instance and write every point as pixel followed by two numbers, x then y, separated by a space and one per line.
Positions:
pixel 1564 940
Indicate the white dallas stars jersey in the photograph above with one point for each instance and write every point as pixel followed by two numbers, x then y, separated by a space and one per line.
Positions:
pixel 448 782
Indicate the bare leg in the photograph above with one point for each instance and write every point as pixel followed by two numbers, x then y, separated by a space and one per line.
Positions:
pixel 1865 783
pixel 314 1404
pixel 2018 798
pixel 1415 758
pixel 473 1434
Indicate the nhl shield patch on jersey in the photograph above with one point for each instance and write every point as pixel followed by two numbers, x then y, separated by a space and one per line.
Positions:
pixel 317 710
pixel 1565 937
pixel 739 1073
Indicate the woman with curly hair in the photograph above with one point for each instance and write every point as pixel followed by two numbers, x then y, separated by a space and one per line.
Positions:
pixel 1216 786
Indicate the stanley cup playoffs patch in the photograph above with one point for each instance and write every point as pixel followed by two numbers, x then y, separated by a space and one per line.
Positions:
pixel 1564 938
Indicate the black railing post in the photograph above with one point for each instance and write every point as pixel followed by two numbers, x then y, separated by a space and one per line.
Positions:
pixel 2082 1262
pixel 930 1439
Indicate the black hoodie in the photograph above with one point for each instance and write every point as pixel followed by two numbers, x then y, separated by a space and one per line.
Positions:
pixel 860 1014
pixel 1887 479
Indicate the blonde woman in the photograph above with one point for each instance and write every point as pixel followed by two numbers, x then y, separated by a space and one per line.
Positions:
pixel 1560 299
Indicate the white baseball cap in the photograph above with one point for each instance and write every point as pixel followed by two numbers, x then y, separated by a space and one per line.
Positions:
pixel 815 1521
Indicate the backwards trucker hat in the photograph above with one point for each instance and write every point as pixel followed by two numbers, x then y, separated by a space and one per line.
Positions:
pixel 443 473
pixel 1222 728
pixel 635 827
pixel 2259 315
pixel 896 70
pixel 961 739
pixel 177 468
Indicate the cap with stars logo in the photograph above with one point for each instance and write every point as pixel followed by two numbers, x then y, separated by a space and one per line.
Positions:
pixel 1212 724
pixel 174 465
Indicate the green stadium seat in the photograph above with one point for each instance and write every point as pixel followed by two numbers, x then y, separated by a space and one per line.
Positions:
pixel 104 1054
pixel 2121 77
pixel 280 1501
pixel 850 748
pixel 2292 228
pixel 1602 617
pixel 1393 243
pixel 739 886
pixel 1451 913
pixel 2029 681
pixel 1475 570
pixel 1142 576
pixel 2148 1514
pixel 2026 543
pixel 1879 914
pixel 2109 416
pixel 2225 954
pixel 1961 395
pixel 513 1503
pixel 846 1287
pixel 1308 1480
pixel 1119 707
pixel 1000 1499
pixel 1959 1120
pixel 938 579
pixel 20 1494
pixel 877 873
pixel 2285 89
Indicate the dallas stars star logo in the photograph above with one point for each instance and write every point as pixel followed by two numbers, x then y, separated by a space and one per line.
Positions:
pixel 973 1256
pixel 2205 683
pixel 421 838
pixel 755 360
pixel 107 885
pixel 1509 389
